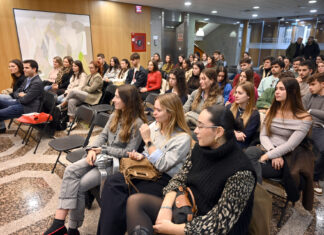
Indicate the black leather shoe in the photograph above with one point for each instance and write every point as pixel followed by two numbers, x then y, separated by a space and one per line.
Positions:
pixel 138 230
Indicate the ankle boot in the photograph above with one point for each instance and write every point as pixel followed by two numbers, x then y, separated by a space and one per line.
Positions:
pixel 139 230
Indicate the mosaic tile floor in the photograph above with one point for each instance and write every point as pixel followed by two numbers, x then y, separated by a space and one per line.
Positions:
pixel 29 192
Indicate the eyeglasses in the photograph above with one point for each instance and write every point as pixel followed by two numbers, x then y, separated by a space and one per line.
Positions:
pixel 201 126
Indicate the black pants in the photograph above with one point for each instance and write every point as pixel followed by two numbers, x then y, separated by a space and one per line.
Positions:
pixel 262 169
pixel 318 140
pixel 114 198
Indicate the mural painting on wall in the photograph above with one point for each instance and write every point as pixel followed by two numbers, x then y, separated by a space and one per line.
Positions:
pixel 44 35
pixel 138 42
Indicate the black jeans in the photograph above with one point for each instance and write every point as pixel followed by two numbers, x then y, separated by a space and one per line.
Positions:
pixel 114 198
pixel 318 140
pixel 262 169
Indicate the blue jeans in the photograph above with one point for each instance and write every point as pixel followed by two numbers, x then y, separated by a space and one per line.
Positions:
pixel 6 97
pixel 9 109
pixel 47 88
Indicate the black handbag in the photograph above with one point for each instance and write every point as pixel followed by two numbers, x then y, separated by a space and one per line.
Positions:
pixel 184 207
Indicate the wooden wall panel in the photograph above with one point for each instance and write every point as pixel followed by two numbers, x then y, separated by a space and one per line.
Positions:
pixel 111 27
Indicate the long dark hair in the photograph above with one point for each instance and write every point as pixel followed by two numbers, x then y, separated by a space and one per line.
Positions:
pixel 292 103
pixel 133 109
pixel 20 70
pixel 79 64
pixel 188 63
pixel 181 81
pixel 155 65
pixel 200 65
pixel 169 64
pixel 117 64
pixel 225 80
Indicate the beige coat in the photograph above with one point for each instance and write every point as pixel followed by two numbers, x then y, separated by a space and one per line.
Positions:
pixel 93 86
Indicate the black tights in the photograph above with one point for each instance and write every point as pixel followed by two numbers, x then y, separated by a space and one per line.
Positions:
pixel 142 209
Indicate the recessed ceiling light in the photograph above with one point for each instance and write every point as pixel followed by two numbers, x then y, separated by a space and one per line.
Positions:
pixel 256 7
pixel 313 11
pixel 237 22
pixel 187 3
pixel 297 20
pixel 255 15
pixel 214 12
pixel 312 1
pixel 206 19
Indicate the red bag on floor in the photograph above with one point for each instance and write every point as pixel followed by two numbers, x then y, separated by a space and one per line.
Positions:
pixel 35 118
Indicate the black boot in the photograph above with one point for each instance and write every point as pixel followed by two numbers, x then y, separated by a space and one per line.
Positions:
pixel 138 230
pixel 57 228
pixel 73 231
pixel 89 198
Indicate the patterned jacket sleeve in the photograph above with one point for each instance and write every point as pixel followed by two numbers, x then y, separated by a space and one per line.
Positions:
pixel 180 178
pixel 221 218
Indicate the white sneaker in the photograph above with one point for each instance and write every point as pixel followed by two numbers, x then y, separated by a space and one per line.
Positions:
pixel 318 190
pixel 74 125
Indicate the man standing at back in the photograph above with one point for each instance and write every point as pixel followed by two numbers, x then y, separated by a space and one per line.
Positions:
pixel 137 75
pixel 27 98
pixel 311 50
pixel 295 49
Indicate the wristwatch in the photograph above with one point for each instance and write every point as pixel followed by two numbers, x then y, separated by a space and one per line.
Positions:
pixel 149 144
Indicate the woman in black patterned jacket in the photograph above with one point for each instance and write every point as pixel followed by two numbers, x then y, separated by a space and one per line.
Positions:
pixel 220 176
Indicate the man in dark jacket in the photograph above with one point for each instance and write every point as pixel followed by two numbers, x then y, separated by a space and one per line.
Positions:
pixel 137 75
pixel 311 50
pixel 27 98
pixel 295 49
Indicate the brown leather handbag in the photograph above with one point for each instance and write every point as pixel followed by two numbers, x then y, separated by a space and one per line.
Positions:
pixel 184 207
pixel 133 169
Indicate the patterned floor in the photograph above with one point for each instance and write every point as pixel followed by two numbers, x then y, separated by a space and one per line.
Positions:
pixel 29 192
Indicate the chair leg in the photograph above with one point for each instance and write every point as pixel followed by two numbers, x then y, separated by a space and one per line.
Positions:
pixel 17 129
pixel 27 135
pixel 11 121
pixel 283 212
pixel 57 160
pixel 39 140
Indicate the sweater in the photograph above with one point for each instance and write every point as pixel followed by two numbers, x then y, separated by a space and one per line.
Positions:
pixel 265 100
pixel 226 91
pixel 166 69
pixel 77 82
pixel 170 154
pixel 256 79
pixel 111 74
pixel 315 105
pixel 120 78
pixel 154 80
pixel 287 134
pixel 52 75
pixel 112 145
pixel 19 81
pixel 268 82
pixel 222 181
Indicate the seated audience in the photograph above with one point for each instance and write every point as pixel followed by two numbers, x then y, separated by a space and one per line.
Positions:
pixel 268 82
pixel 112 71
pixel 246 75
pixel 220 177
pixel 211 63
pixel 103 64
pixel 177 82
pixel 76 81
pixel 154 80
pixel 191 59
pixel 265 69
pixel 245 113
pixel 222 57
pixel 285 126
pixel 193 82
pixel 320 67
pixel 63 81
pixel 26 99
pixel 168 66
pixel 204 59
pixel 157 59
pixel 305 70
pixel 122 74
pixel 319 59
pixel 246 64
pixel 90 93
pixel 120 135
pixel 223 82
pixel 287 64
pixel 181 58
pixel 16 68
pixel 137 75
pixel 296 63
pixel 187 67
pixel 217 57
pixel 265 100
pixel 167 143
pixel 54 73
pixel 206 95
pixel 314 104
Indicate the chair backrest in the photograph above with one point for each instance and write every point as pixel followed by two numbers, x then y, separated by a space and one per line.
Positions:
pixel 85 114
pixel 49 102
pixel 151 98
pixel 101 120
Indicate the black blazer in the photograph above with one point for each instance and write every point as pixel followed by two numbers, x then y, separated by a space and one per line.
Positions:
pixel 34 93
pixel 65 80
pixel 140 77
pixel 18 83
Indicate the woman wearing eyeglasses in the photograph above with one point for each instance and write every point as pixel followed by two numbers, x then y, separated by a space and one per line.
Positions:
pixel 220 176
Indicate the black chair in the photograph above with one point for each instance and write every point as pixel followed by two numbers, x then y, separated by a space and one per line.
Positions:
pixel 70 142
pixel 74 156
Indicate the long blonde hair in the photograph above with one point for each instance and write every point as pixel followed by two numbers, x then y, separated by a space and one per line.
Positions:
pixel 248 87
pixel 172 103
pixel 214 90
pixel 133 109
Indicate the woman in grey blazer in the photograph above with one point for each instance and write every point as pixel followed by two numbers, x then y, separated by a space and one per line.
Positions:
pixel 120 135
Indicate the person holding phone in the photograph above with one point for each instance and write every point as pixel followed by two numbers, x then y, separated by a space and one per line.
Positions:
pixel 120 135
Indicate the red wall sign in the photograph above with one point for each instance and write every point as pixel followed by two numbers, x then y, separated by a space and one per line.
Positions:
pixel 138 42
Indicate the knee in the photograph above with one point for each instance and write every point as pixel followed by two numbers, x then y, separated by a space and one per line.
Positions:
pixel 134 200
pixel 253 153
